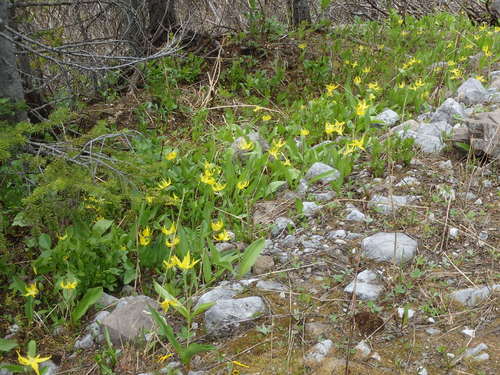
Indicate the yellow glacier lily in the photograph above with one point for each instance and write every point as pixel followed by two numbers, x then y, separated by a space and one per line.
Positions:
pixel 31 361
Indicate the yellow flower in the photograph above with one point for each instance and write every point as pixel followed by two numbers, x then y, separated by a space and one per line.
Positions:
pixel 186 263
pixel 353 145
pixel 401 85
pixel 170 263
pixel 381 46
pixel 62 238
pixel 165 306
pixel 302 46
pixel 374 86
pixel 240 364
pixel 487 52
pixel 338 127
pixel 149 199
pixel 218 187
pixel 207 179
pixel 286 162
pixel 451 63
pixel 480 78
pixel 469 46
pixel 172 200
pixel 361 108
pixel 367 70
pixel 304 132
pixel 361 48
pixel 278 143
pixel 31 361
pixel 169 231
pixel 123 248
pixel 400 21
pixel 171 155
pixel 257 108
pixel 222 236
pixel 330 89
pixel 266 117
pixel 145 236
pixel 354 64
pixel 456 73
pixel 68 285
pixel 245 145
pixel 163 184
pixel 357 80
pixel 243 184
pixel 163 358
pixel 217 225
pixel 31 290
pixel 175 241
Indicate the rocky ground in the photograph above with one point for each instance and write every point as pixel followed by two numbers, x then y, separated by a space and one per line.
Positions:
pixel 400 278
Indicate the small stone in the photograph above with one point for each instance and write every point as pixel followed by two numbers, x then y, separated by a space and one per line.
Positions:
pixel 355 215
pixel 478 202
pixel 218 294
pixel 310 209
pixel 482 357
pixel 472 352
pixel 328 173
pixel 388 117
pixel 385 247
pixel 432 331
pixel 263 264
pixel 318 352
pixel 362 350
pixel 469 332
pixel 289 242
pixel 225 246
pixel 324 197
pixel 302 187
pixel 281 225
pixel 408 181
pixel 85 342
pixel 453 232
pixel 422 371
pixel 271 286
pixel 387 205
pixel 340 233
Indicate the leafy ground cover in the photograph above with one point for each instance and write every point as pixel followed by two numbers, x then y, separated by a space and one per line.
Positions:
pixel 146 189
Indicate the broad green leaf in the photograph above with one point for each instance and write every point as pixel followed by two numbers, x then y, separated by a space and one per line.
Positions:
pixel 193 349
pixel 91 297
pixel 250 256
pixel 31 348
pixel 177 305
pixel 101 226
pixel 202 308
pixel 166 330
pixel 44 241
pixel 20 220
pixel 7 344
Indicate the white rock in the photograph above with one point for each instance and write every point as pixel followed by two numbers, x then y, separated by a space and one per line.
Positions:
pixel 219 294
pixel 450 111
pixel 310 208
pixel 269 285
pixel 281 225
pixel 469 332
pixel 387 205
pixel 472 352
pixel 422 371
pixel 432 331
pixel 340 233
pixel 482 357
pixel 473 296
pixel 453 232
pixel 408 181
pixel 363 349
pixel 356 215
pixel 319 352
pixel 85 342
pixel 366 286
pixel 386 247
pixel 472 92
pixel 49 367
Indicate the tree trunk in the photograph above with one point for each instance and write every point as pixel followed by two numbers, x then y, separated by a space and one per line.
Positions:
pixel 300 12
pixel 162 20
pixel 10 82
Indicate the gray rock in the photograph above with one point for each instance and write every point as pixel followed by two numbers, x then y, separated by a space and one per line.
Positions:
pixel 335 234
pixel 388 117
pixel 310 208
pixel 85 342
pixel 302 187
pixel 433 331
pixel 496 73
pixel 387 205
pixel 51 367
pixel 227 315
pixel 324 197
pixel 366 286
pixel 429 137
pixel 389 247
pixel 356 215
pixel 473 296
pixel 100 316
pixel 130 319
pixel 406 127
pixel 5 372
pixel 472 92
pixel 408 181
pixel 422 371
pixel 220 293
pixel 225 246
pixel 320 169
pixel 289 242
pixel 484 133
pixel 281 225
pixel 263 264
pixel 271 286
pixel 107 300
pixel 450 111
pixel 318 352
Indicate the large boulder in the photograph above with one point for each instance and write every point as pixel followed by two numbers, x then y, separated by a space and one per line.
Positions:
pixel 472 92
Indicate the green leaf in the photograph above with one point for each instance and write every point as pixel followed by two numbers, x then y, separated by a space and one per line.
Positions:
pixel 101 226
pixel 176 305
pixel 31 348
pixel 186 354
pixel 166 330
pixel 7 344
pixel 44 241
pixel 274 186
pixel 202 308
pixel 91 297
pixel 20 220
pixel 250 256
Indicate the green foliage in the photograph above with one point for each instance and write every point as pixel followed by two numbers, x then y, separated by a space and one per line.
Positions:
pixel 91 297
